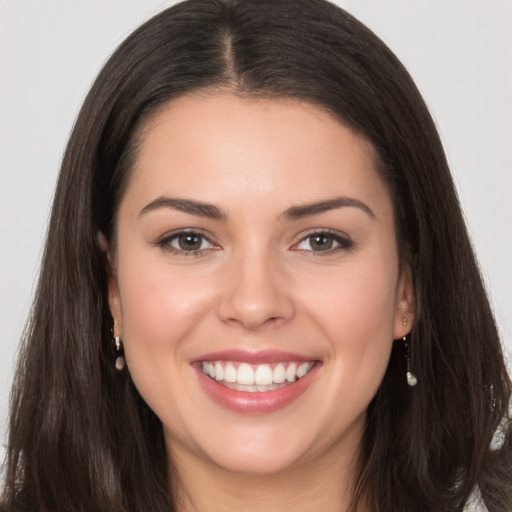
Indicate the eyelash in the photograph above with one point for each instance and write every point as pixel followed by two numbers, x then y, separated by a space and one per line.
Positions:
pixel 166 243
pixel 344 243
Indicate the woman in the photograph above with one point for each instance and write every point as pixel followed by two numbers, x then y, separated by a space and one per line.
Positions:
pixel 254 203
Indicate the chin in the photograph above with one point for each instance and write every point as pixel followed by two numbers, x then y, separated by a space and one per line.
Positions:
pixel 256 460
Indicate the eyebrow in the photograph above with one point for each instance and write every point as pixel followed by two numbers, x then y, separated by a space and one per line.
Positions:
pixel 306 210
pixel 294 213
pixel 185 205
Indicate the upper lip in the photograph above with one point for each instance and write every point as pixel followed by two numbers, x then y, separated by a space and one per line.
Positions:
pixel 253 357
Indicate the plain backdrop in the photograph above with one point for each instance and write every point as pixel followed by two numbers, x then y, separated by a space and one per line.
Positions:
pixel 458 51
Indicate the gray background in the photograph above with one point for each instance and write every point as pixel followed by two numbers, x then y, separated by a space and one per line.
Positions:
pixel 458 51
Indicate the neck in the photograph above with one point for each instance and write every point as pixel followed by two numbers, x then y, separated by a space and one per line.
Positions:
pixel 325 485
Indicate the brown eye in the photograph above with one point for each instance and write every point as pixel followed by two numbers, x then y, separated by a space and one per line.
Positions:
pixel 321 242
pixel 189 241
pixel 186 243
pixel 324 242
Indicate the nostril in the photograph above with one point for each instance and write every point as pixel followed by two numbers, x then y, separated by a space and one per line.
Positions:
pixel 253 296
pixel 255 318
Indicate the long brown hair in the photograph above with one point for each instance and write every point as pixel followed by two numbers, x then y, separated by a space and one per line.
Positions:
pixel 81 438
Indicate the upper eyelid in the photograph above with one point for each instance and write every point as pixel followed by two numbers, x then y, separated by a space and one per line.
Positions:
pixel 176 232
pixel 323 231
pixel 164 241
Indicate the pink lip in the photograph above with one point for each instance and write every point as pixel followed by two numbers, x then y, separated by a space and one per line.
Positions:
pixel 261 357
pixel 244 402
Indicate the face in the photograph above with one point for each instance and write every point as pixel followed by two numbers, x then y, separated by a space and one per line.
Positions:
pixel 256 283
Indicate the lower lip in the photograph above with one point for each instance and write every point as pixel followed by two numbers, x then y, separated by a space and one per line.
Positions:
pixel 245 402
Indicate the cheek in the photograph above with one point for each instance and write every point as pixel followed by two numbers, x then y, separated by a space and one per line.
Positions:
pixel 356 301
pixel 160 306
pixel 355 310
pixel 356 317
pixel 161 311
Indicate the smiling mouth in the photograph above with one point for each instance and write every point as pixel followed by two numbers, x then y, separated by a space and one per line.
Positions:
pixel 255 378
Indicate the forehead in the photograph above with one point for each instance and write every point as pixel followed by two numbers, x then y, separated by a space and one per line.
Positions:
pixel 219 146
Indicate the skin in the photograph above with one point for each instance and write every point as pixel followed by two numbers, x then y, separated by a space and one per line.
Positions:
pixel 257 284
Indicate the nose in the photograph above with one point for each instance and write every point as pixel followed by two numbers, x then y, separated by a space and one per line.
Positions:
pixel 256 293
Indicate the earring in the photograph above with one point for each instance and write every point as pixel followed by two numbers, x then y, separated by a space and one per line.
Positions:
pixel 118 344
pixel 411 378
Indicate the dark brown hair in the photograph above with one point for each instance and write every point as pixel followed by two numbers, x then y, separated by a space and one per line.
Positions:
pixel 81 438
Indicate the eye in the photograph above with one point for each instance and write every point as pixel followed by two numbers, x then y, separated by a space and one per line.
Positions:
pixel 186 242
pixel 323 242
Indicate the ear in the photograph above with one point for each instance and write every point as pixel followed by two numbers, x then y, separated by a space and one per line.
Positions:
pixel 114 297
pixel 405 307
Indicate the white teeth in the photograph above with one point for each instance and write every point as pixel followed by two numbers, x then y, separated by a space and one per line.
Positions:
pixel 252 389
pixel 253 378
pixel 291 372
pixel 263 375
pixel 219 371
pixel 229 373
pixel 303 369
pixel 279 374
pixel 245 374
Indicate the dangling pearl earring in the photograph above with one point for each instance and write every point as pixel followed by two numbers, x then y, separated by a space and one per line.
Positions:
pixel 411 378
pixel 120 362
